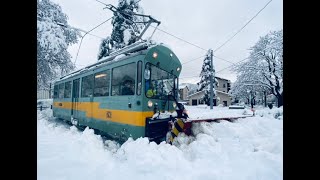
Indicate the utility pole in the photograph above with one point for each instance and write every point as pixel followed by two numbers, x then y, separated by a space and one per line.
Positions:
pixel 50 91
pixel 265 98
pixel 211 79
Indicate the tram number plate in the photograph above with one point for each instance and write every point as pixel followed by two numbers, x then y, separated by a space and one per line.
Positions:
pixel 109 114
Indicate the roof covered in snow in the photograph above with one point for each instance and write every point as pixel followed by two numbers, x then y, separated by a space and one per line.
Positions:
pixel 204 90
pixel 222 78
pixel 182 87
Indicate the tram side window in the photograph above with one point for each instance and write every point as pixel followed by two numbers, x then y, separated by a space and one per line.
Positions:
pixel 101 83
pixel 139 78
pixel 55 91
pixel 123 80
pixel 87 86
pixel 61 90
pixel 67 90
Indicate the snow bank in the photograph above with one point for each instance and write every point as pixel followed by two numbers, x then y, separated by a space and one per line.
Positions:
pixel 44 102
pixel 275 112
pixel 248 149
pixel 204 112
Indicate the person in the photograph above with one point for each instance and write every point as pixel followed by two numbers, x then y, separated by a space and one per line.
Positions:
pixel 151 90
pixel 127 89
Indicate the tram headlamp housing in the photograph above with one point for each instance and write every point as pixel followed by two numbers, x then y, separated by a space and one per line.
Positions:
pixel 150 103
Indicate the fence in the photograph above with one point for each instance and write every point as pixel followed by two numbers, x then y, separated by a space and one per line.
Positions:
pixel 43 107
pixel 43 94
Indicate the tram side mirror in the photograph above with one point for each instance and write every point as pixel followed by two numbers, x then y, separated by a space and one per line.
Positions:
pixel 147 74
pixel 179 109
pixel 180 106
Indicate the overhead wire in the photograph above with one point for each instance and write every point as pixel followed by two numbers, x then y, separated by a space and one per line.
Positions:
pixel 242 27
pixel 181 39
pixel 86 34
pixel 193 59
pixel 219 58
pixel 172 36
pixel 237 61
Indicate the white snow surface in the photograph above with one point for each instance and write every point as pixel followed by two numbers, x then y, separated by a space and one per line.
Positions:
pixel 44 102
pixel 126 36
pixel 247 149
pixel 216 112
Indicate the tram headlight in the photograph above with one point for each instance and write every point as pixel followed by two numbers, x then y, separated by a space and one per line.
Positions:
pixel 155 55
pixel 186 111
pixel 178 68
pixel 174 104
pixel 150 103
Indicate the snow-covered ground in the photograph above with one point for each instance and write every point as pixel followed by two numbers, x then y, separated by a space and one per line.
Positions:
pixel 248 149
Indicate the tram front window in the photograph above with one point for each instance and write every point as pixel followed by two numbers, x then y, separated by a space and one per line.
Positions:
pixel 159 84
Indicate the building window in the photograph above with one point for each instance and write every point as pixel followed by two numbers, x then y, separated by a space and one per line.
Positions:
pixel 67 90
pixel 224 85
pixel 101 83
pixel 123 80
pixel 87 86
pixel 225 103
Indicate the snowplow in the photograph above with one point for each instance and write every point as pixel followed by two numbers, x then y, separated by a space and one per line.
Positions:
pixel 183 124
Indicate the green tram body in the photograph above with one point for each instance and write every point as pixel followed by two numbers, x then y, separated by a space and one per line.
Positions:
pixel 120 116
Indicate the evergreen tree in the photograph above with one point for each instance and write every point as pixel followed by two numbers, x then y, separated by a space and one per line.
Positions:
pixel 125 31
pixel 53 59
pixel 205 75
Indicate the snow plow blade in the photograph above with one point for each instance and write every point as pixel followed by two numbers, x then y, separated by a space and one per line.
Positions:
pixel 231 119
pixel 184 125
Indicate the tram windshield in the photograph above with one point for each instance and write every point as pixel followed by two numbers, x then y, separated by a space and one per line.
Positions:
pixel 159 84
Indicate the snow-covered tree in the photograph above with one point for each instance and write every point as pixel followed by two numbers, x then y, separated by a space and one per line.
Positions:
pixel 207 72
pixel 105 47
pixel 264 69
pixel 125 29
pixel 53 59
pixel 242 91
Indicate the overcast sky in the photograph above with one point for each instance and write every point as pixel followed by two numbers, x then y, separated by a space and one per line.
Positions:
pixel 205 23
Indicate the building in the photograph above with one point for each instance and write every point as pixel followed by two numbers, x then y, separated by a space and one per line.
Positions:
pixel 43 94
pixel 183 93
pixel 224 85
pixel 223 98
pixel 222 90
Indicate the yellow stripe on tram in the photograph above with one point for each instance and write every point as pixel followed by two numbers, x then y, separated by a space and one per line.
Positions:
pixel 92 110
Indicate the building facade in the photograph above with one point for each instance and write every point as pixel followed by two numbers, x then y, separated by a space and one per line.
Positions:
pixel 224 85
pixel 183 93
pixel 222 98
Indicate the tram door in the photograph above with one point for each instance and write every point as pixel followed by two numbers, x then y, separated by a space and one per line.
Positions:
pixel 75 98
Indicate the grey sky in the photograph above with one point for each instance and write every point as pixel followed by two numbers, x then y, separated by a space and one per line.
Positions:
pixel 206 23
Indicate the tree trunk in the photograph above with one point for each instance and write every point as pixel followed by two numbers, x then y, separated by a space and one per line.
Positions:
pixel 265 99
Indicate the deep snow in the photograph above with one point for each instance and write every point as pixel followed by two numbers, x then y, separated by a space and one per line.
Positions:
pixel 249 148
